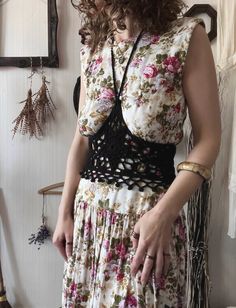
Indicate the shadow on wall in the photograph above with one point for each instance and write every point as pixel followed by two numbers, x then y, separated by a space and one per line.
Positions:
pixel 11 263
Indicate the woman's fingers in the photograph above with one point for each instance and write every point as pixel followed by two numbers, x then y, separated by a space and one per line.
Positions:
pixel 60 244
pixel 159 263
pixel 149 262
pixel 69 245
pixel 166 264
pixel 134 239
pixel 138 258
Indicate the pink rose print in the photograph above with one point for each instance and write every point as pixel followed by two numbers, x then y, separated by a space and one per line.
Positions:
pixel 83 205
pixel 131 301
pixel 95 65
pixel 121 250
pixel 135 62
pixel 107 94
pixel 88 226
pixel 177 108
pixel 150 71
pixel 82 128
pixel 172 64
pixel 139 102
pixel 178 135
pixel 120 275
pixel 106 244
pixel 169 87
pixel 73 288
pixel 155 39
pixel 113 218
pixel 109 256
pixel 160 282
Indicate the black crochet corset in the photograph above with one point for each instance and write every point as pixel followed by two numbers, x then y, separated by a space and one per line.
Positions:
pixel 117 156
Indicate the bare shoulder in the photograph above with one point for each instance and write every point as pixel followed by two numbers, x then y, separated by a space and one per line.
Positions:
pixel 200 86
pixel 199 51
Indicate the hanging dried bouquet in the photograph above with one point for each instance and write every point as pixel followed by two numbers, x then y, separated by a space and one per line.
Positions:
pixel 33 117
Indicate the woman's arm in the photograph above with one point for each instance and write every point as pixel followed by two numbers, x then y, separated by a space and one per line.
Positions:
pixel 63 234
pixel 75 161
pixel 201 92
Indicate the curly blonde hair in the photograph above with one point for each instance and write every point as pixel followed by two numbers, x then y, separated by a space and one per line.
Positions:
pixel 151 15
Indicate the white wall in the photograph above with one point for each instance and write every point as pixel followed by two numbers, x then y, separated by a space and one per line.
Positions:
pixel 33 278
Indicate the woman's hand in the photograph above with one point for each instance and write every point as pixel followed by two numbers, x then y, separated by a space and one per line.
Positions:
pixel 154 230
pixel 63 235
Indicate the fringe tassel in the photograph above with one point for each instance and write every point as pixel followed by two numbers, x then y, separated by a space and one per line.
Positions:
pixel 198 216
pixel 199 284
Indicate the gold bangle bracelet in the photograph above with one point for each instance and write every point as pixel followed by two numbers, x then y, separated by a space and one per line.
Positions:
pixel 3 298
pixel 195 167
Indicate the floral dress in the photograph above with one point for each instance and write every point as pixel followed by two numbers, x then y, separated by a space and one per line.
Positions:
pixel 154 108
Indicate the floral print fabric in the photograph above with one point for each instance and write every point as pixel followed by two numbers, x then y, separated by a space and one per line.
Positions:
pixel 153 102
pixel 153 105
pixel 98 272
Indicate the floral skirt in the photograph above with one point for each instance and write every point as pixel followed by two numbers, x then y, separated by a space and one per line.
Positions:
pixel 98 272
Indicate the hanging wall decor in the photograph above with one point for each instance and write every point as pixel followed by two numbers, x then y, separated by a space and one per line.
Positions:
pixel 43 26
pixel 32 118
pixel 43 104
pixel 43 232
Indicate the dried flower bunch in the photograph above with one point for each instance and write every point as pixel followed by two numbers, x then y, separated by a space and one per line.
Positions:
pixel 43 232
pixel 34 115
pixel 27 122
pixel 40 236
pixel 43 104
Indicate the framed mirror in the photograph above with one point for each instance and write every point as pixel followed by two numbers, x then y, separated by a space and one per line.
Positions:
pixel 28 30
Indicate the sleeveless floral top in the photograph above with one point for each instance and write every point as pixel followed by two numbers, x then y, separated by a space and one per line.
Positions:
pixel 153 104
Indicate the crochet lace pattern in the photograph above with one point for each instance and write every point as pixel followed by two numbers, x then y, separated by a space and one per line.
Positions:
pixel 117 156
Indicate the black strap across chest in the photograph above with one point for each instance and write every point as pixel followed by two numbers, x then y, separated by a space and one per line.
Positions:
pixel 117 156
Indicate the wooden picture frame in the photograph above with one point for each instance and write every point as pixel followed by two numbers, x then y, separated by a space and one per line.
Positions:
pixel 52 60
pixel 210 11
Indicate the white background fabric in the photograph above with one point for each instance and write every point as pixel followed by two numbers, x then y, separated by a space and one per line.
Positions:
pixel 226 61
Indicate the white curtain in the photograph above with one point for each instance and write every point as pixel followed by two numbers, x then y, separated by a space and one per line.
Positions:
pixel 226 66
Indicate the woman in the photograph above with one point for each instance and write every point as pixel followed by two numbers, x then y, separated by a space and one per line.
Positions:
pixel 121 225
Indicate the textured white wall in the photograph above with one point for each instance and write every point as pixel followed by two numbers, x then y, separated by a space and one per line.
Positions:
pixel 27 35
pixel 33 278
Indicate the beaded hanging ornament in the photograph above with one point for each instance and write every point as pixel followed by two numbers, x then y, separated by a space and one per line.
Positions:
pixel 43 232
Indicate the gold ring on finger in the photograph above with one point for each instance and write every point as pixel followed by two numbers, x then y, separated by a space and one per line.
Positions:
pixel 150 257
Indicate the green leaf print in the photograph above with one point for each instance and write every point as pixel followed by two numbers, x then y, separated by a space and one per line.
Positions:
pixel 141 301
pixel 160 58
pixel 118 299
pixel 101 72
